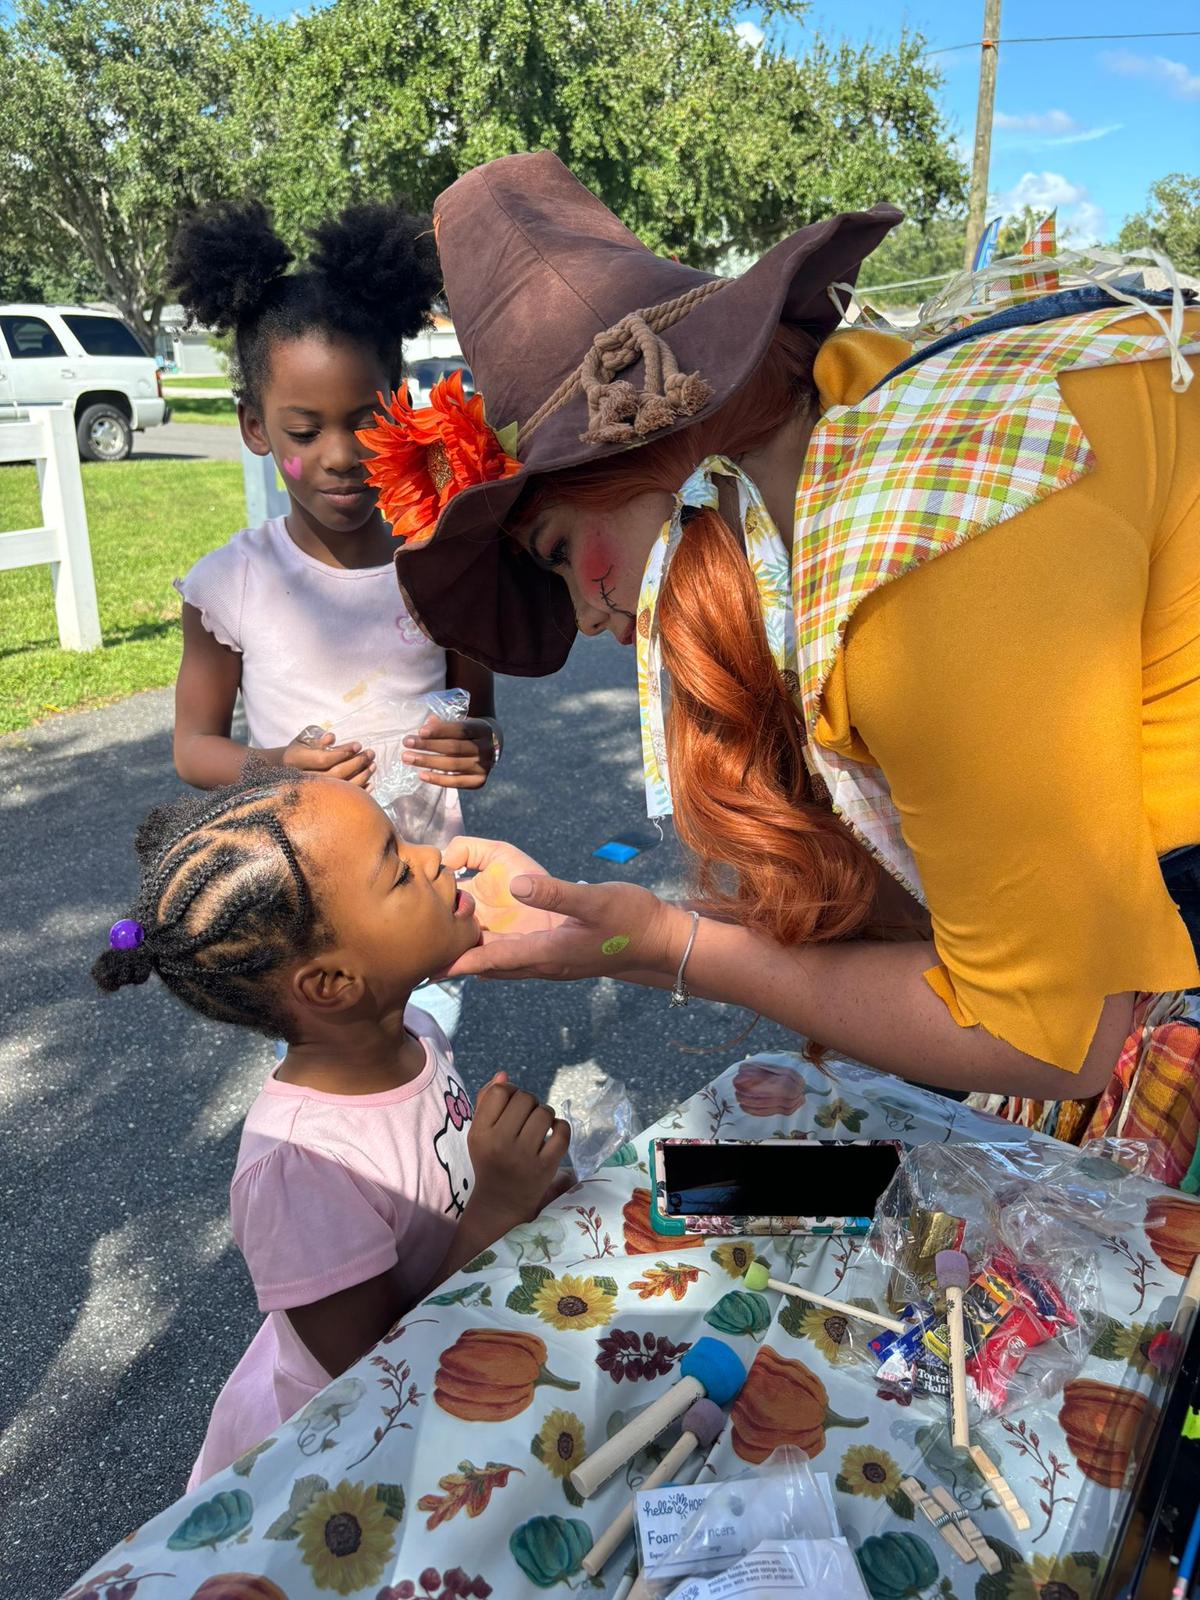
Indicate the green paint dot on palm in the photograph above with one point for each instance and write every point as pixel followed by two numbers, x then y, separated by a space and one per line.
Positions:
pixel 614 946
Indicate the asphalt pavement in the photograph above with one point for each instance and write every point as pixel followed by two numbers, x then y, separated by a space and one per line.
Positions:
pixel 188 441
pixel 123 1300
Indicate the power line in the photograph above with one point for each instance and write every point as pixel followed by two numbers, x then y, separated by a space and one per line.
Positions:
pixel 1061 38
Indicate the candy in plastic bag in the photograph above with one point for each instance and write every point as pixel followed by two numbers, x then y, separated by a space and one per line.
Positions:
pixel 1032 1241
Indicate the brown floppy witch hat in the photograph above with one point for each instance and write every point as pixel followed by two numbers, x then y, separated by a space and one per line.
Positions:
pixel 591 344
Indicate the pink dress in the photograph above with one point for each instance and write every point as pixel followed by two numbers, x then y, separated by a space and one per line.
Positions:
pixel 330 1190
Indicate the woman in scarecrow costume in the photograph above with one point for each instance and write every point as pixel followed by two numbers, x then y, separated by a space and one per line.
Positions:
pixel 917 631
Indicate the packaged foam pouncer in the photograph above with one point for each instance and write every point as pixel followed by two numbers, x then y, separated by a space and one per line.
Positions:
pixel 819 1569
pixel 781 1500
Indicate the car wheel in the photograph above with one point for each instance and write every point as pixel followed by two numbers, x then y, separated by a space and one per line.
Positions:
pixel 104 434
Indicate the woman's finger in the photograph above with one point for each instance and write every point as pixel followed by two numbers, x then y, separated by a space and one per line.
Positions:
pixel 586 902
pixel 454 780
pixel 519 955
pixel 467 852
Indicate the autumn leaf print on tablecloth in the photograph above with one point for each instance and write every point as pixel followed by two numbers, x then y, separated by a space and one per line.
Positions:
pixel 469 1489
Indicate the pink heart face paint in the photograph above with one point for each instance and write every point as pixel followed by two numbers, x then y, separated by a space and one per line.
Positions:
pixel 292 467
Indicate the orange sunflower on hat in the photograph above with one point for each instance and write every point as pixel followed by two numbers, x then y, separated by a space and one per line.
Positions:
pixel 423 458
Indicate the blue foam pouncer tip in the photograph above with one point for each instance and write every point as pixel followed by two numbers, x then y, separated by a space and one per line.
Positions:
pixel 613 851
pixel 717 1367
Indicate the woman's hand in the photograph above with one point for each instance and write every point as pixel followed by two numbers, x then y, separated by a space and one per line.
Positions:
pixel 616 930
pixel 495 864
pixel 454 755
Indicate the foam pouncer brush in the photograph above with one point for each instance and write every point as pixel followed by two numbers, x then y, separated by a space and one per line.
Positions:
pixel 709 1370
pixel 757 1277
pixel 701 1428
pixel 953 1275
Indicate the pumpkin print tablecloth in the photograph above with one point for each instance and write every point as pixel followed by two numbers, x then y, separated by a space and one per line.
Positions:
pixel 438 1465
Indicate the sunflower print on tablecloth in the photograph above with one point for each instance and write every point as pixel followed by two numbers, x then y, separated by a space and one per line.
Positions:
pixel 574 1304
pixel 347 1535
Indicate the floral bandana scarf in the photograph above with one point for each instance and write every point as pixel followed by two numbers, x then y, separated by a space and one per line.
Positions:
pixel 768 560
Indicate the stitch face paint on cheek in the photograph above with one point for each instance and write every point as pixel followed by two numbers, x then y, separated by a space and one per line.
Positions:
pixel 292 466
pixel 597 558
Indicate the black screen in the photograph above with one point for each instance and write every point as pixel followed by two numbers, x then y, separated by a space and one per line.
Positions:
pixel 776 1180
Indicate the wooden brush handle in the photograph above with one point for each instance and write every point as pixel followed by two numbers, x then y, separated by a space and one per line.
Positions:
pixel 599 1467
pixel 961 1434
pixel 598 1555
pixel 846 1310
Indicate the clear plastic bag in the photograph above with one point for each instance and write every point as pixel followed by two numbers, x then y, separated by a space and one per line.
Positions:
pixel 781 1500
pixel 1032 1240
pixel 416 809
pixel 393 778
pixel 601 1121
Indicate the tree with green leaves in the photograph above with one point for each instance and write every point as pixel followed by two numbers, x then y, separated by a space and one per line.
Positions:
pixel 701 141
pixel 1170 223
pixel 123 114
pixel 114 119
pixel 910 255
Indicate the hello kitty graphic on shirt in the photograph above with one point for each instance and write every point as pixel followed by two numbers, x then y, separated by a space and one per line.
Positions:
pixel 450 1147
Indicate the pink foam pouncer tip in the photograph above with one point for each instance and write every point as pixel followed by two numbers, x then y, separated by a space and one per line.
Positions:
pixel 705 1420
pixel 953 1269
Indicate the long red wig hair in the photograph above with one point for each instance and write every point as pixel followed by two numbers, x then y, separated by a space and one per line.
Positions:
pixel 768 854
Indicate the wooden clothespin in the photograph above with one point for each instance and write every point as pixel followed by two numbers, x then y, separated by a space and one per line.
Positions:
pixel 953 1523
pixel 980 1548
pixel 924 1502
pixel 1001 1488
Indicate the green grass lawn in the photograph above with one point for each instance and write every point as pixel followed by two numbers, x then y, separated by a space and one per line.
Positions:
pixel 149 522
pixel 202 408
pixel 180 380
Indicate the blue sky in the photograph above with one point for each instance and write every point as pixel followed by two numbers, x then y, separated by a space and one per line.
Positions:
pixel 1087 126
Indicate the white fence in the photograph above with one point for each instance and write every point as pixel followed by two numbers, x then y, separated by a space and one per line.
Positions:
pixel 264 495
pixel 48 438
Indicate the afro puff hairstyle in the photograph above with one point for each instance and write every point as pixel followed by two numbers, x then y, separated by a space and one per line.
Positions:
pixel 372 276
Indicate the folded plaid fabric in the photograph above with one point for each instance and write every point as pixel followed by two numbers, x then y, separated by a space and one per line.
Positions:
pixel 1152 1098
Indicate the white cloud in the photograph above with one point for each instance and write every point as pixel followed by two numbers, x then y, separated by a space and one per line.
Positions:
pixel 1037 122
pixel 1080 219
pixel 1044 130
pixel 1174 75
pixel 750 33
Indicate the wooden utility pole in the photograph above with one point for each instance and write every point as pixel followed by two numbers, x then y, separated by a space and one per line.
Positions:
pixel 983 128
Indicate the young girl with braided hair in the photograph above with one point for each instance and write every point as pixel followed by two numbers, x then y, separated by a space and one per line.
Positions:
pixel 285 902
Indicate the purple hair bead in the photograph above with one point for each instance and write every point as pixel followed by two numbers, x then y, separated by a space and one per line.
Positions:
pixel 126 934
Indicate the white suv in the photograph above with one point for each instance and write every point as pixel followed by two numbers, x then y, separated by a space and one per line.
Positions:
pixel 87 360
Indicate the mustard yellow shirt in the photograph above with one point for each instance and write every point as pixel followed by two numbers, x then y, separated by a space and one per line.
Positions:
pixel 1033 699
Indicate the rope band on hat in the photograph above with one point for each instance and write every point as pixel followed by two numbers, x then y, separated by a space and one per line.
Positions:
pixel 617 412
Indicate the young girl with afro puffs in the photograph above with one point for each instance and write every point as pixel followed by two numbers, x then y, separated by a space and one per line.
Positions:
pixel 303 616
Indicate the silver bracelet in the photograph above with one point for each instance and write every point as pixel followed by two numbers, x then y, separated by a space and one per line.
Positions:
pixel 679 994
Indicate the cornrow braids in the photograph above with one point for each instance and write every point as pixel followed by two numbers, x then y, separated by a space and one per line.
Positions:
pixel 224 902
